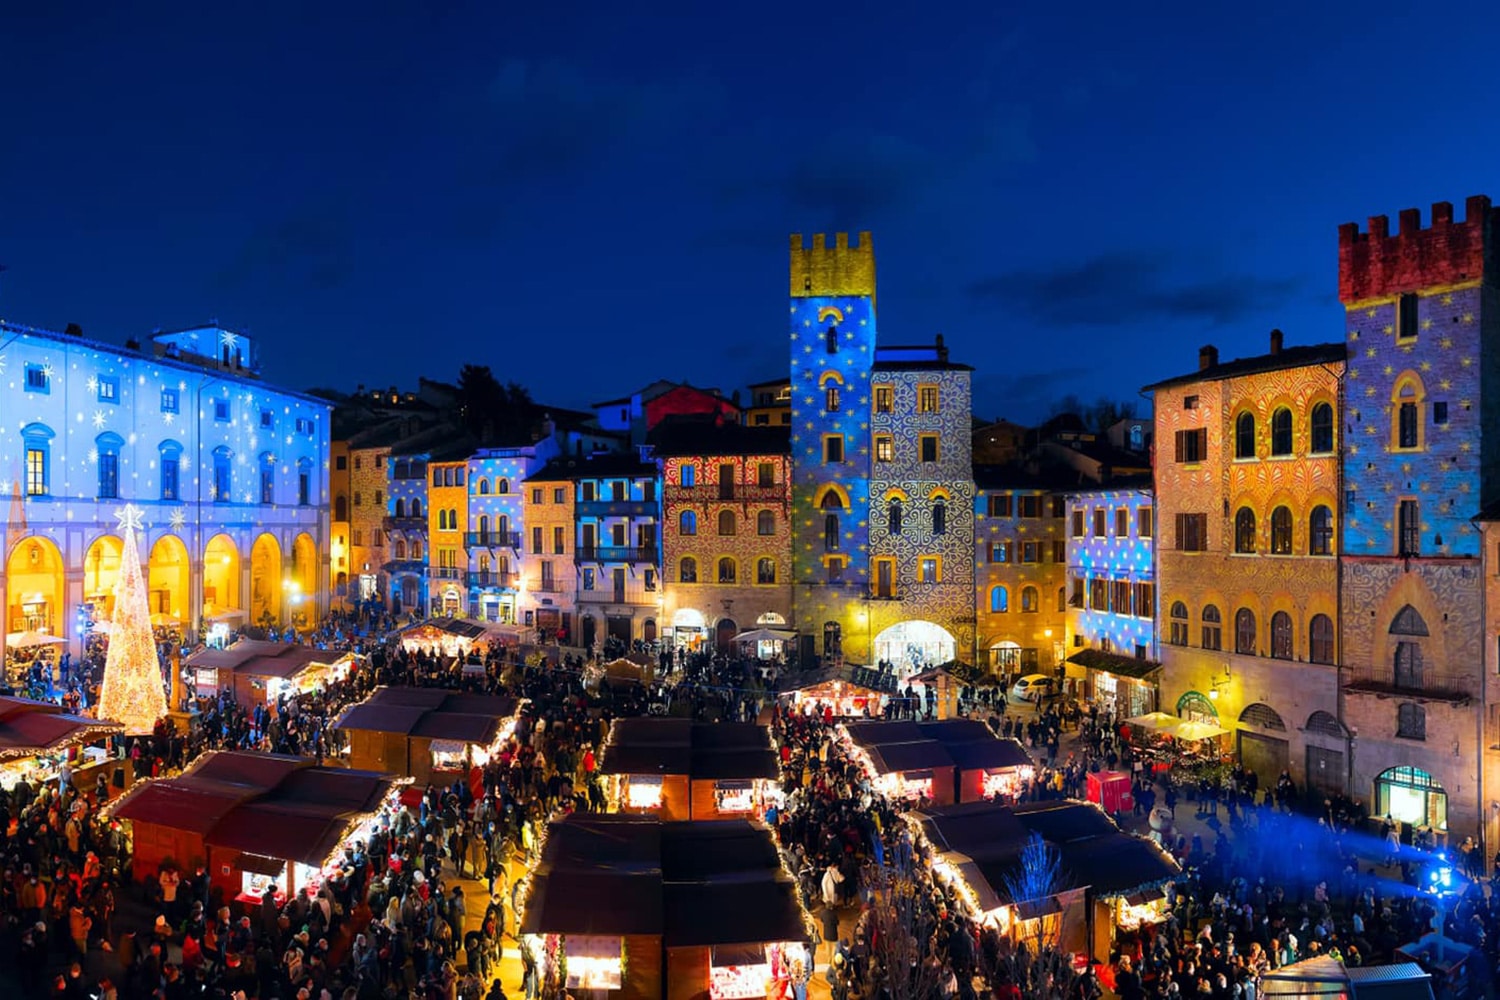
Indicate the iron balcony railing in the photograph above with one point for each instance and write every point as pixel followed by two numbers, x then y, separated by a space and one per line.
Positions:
pixel 617 553
pixel 493 539
pixel 491 578
pixel 1411 684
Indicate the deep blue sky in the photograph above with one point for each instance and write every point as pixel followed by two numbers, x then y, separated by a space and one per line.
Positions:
pixel 586 197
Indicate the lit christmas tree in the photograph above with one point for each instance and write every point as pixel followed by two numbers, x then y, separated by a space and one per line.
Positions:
pixel 132 692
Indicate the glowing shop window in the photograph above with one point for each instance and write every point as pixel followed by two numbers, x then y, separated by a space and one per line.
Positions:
pixel 737 796
pixel 1408 805
pixel 642 793
pixel 254 884
pixel 594 963
pixel 1006 781
pixel 912 784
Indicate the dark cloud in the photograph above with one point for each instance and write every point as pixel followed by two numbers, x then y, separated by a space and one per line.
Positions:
pixel 549 117
pixel 1125 287
pixel 1023 396
pixel 312 248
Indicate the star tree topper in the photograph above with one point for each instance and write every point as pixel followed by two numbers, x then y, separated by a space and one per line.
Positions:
pixel 128 518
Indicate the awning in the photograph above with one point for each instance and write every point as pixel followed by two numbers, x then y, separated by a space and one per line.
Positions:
pixel 447 746
pixel 593 946
pixel 1145 896
pixel 733 785
pixel 916 775
pixel 722 956
pixel 1033 909
pixel 260 864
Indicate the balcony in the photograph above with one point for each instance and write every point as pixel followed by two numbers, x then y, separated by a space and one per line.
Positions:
pixel 735 492
pixel 404 523
pixel 491 578
pixel 1426 685
pixel 547 587
pixel 400 567
pixel 616 508
pixel 493 540
pixel 447 573
pixel 617 553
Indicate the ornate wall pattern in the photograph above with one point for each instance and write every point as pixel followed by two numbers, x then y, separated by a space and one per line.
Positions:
pixel 1112 558
pixel 1028 631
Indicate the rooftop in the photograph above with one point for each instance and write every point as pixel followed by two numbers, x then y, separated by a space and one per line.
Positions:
pixel 431 713
pixel 1288 357
pixel 701 750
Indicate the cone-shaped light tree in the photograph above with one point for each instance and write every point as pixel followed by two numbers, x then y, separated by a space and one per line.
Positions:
pixel 132 692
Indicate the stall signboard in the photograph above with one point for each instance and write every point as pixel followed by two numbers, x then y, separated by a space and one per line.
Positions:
pixel 738 982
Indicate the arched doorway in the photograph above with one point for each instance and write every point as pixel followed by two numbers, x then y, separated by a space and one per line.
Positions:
pixel 1195 707
pixel 724 634
pixel 1326 739
pixel 687 628
pixel 914 646
pixel 452 603
pixel 303 576
pixel 168 578
pixel 221 577
pixel 590 631
pixel 1411 795
pixel 101 567
pixel 1005 657
pixel 265 581
pixel 648 630
pixel 770 619
pixel 35 587
pixel 1267 751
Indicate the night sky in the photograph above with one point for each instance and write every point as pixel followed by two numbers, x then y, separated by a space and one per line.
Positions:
pixel 587 199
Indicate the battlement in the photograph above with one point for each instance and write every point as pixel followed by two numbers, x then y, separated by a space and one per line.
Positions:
pixel 840 269
pixel 1375 263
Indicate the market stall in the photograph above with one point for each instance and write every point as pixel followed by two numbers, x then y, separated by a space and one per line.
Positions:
pixel 647 909
pixel 38 738
pixel 255 820
pixel 1123 685
pixel 23 650
pixel 430 734
pixel 901 761
pixel 1111 791
pixel 1168 742
pixel 766 643
pixel 847 692
pixel 678 769
pixel 452 637
pixel 260 672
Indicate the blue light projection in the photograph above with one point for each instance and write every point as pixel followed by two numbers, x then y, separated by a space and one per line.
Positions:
pixel 1113 557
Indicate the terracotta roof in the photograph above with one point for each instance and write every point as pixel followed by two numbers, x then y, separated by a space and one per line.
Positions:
pixel 701 750
pixel 1288 357
pixel 259 658
pixel 28 728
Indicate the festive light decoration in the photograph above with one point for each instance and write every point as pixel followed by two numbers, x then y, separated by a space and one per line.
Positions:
pixel 132 693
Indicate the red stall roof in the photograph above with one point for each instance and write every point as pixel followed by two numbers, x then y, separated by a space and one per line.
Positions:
pixel 431 713
pixel 28 728
pixel 258 658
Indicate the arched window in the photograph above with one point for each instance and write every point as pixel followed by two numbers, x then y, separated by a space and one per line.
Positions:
pixel 502 525
pixel 1321 428
pixel 1407 414
pixel 1062 600
pixel 831 501
pixel 831 398
pixel 727 572
pixel 1408 621
pixel 1281 636
pixel 37 439
pixel 416 507
pixel 1320 532
pixel 831 340
pixel 765 523
pixel 416 549
pixel 484 529
pixel 1320 639
pixel 1281 531
pixel 1244 632
pixel 398 548
pixel 267 478
pixel 1177 633
pixel 1244 435
pixel 687 570
pixel 483 487
pixel 400 507
pixel 765 570
pixel 939 518
pixel 687 523
pixel 1213 628
pixel 893 517
pixel 108 446
pixel 223 475
pixel 502 486
pixel 1281 431
pixel 999 600
pixel 831 534
pixel 452 519
pixel 1244 531
pixel 442 519
pixel 726 522
pixel 484 563
pixel 1030 600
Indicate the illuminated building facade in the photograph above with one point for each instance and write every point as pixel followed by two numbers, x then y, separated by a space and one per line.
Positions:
pixel 883 490
pixel 549 584
pixel 1020 570
pixel 492 538
pixel 726 540
pixel 406 528
pixel 447 523
pixel 368 479
pixel 1247 481
pixel 232 475
pixel 1421 447
pixel 1112 594
pixel 617 548
pixel 770 404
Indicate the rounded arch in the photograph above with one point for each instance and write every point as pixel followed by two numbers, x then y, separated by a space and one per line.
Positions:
pixel 728 524
pixel 832 376
pixel 265 580
pixel 724 633
pixel 915 644
pixel 169 574
pixel 502 485
pixel 101 567
pixel 1323 723
pixel 1321 428
pixel 833 497
pixel 1262 716
pixel 687 618
pixel 221 576
pixel 482 486
pixel 400 507
pixel 770 618
pixel 415 509
pixel 727 570
pixel 1030 600
pixel 1244 434
pixel 687 522
pixel 1196 705
pixel 1244 531
pixel 303 575
pixel 1282 437
pixel 687 570
pixel 939 493
pixel 35 586
pixel 999 600
pixel 897 493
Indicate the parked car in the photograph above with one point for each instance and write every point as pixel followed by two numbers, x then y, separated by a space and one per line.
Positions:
pixel 1034 688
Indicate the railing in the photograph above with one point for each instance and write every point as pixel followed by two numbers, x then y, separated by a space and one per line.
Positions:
pixel 547 587
pixel 1421 684
pixel 416 566
pixel 493 539
pixel 491 578
pixel 736 492
pixel 616 553
pixel 616 508
pixel 404 523
pixel 447 573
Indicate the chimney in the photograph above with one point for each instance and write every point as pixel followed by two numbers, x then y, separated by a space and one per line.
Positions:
pixel 942 349
pixel 1208 356
pixel 1275 341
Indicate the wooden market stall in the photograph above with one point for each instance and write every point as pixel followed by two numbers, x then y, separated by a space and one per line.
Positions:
pixel 951 760
pixel 648 909
pixel 1103 877
pixel 260 672
pixel 254 820
pixel 37 738
pixel 445 636
pixel 429 734
pixel 678 769
pixel 847 692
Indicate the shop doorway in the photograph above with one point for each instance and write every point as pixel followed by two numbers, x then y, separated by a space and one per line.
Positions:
pixel 1267 752
pixel 724 634
pixel 913 646
pixel 1413 796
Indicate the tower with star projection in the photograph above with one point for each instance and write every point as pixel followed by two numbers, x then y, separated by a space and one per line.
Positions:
pixel 832 342
pixel 132 692
pixel 1420 444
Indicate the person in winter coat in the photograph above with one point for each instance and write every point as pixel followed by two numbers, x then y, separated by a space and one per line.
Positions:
pixel 832 879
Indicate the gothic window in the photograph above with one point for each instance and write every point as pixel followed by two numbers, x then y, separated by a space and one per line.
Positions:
pixel 893 517
pixel 1244 531
pixel 1321 427
pixel 687 523
pixel 831 533
pixel 1244 631
pixel 1178 630
pixel 1244 436
pixel 1408 622
pixel 1281 636
pixel 939 518
pixel 1213 628
pixel 1281 432
pixel 1320 531
pixel 1320 639
pixel 1281 532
